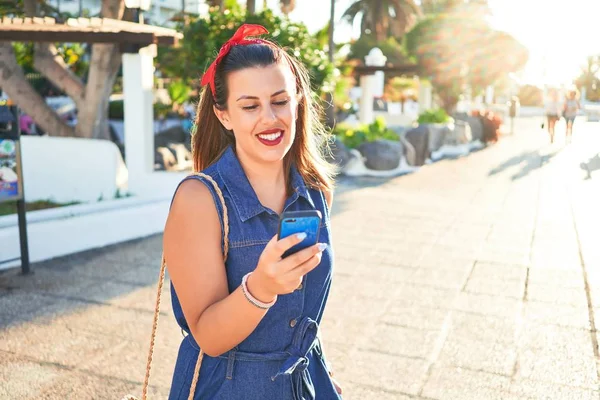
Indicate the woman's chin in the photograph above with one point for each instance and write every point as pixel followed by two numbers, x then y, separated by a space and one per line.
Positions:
pixel 273 153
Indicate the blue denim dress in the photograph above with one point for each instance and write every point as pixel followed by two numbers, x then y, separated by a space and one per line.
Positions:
pixel 282 359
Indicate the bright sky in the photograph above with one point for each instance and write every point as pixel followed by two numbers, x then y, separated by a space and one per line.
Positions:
pixel 553 31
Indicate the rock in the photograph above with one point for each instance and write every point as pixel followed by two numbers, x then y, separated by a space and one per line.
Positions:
pixel 175 134
pixel 174 157
pixel 437 134
pixel 355 165
pixel 399 129
pixel 381 155
pixel 461 134
pixel 460 116
pixel 164 159
pixel 491 126
pixel 476 128
pixel 340 155
pixel 419 139
pixel 183 156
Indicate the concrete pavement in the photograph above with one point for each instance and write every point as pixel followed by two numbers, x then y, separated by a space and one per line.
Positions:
pixel 475 278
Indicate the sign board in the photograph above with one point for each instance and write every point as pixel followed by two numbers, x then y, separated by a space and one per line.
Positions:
pixel 11 173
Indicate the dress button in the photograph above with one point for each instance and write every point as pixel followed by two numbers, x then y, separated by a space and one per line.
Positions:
pixel 293 323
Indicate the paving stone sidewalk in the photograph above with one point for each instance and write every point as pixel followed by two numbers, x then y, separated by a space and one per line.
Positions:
pixel 475 278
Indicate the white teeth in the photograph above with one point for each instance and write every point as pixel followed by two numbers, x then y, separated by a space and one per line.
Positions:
pixel 271 136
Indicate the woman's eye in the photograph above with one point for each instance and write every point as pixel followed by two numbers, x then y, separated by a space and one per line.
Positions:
pixel 282 103
pixel 248 108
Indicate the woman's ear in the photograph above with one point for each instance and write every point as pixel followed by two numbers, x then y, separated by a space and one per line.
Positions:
pixel 223 116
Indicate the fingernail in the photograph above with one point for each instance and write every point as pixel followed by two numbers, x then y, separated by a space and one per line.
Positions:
pixel 322 246
pixel 301 236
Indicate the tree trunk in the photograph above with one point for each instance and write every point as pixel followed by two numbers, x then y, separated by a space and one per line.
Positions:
pixel 14 83
pixel 448 98
pixel 91 100
pixel 92 116
pixel 217 3
pixel 30 7
pixel 378 21
pixel 92 121
pixel 251 6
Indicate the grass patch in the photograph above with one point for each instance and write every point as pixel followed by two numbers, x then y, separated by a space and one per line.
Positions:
pixel 10 207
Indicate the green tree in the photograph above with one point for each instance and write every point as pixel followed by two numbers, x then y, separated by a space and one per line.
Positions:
pixel 251 6
pixel 72 54
pixel 471 7
pixel 453 50
pixel 216 3
pixel 57 63
pixel 589 79
pixel 394 51
pixel 530 95
pixel 383 18
pixel 203 38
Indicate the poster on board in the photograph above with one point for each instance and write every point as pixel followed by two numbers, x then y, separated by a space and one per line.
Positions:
pixel 10 156
pixel 9 171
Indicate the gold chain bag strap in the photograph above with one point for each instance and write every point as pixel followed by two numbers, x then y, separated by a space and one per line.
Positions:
pixel 158 296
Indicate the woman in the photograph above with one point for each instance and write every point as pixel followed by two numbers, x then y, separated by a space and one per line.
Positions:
pixel 553 111
pixel 256 315
pixel 570 110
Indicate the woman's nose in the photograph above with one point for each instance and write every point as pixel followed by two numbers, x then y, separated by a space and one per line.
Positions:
pixel 268 114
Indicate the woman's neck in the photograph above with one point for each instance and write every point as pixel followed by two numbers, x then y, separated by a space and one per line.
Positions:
pixel 267 180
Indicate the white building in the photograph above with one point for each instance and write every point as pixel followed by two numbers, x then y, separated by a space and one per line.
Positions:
pixel 160 13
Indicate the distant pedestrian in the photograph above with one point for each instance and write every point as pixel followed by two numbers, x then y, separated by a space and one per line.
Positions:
pixel 553 112
pixel 570 109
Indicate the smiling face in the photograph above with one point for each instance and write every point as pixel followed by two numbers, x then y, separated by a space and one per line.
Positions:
pixel 262 107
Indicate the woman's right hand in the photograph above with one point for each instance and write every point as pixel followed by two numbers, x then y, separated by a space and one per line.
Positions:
pixel 274 276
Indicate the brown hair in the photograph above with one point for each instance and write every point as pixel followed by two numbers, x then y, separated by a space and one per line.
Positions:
pixel 307 153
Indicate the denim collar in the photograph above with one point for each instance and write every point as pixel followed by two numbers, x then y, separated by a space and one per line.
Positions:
pixel 243 195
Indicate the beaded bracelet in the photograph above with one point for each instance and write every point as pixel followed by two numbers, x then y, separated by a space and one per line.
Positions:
pixel 252 299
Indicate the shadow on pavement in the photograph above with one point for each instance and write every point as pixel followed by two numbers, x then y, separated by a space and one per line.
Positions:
pixel 593 164
pixel 345 185
pixel 75 282
pixel 529 161
pixel 110 276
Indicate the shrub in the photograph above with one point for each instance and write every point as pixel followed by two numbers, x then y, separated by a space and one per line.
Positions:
pixel 434 116
pixel 354 137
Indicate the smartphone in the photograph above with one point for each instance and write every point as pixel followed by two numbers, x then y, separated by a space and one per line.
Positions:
pixel 292 222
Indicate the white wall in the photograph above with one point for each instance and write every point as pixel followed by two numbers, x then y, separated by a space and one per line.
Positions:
pixel 71 169
pixel 66 230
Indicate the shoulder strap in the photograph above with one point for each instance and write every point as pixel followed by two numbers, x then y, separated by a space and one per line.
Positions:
pixel 161 280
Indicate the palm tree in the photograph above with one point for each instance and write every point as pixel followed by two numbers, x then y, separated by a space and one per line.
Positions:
pixel 217 3
pixel 384 17
pixel 590 78
pixel 287 6
pixel 438 6
pixel 251 6
pixel 480 7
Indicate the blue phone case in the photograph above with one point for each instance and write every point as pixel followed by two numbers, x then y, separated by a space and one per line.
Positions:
pixel 293 222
